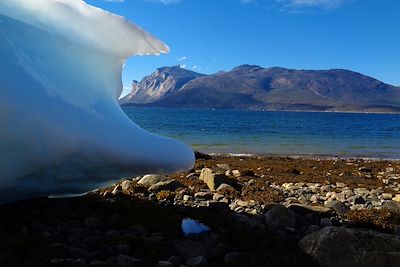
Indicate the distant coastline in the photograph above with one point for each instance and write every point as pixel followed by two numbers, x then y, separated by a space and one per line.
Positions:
pixel 250 87
pixel 265 110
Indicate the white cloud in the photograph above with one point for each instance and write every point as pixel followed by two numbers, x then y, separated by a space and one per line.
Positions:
pixel 300 5
pixel 325 4
pixel 180 59
pixel 183 66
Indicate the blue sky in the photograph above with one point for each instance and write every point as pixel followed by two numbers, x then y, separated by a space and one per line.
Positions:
pixel 212 35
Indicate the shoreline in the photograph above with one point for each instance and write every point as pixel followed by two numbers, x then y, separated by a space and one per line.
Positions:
pixel 299 156
pixel 259 110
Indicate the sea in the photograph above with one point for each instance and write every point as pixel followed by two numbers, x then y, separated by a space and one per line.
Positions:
pixel 276 133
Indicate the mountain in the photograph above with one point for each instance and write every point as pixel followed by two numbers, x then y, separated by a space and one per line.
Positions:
pixel 164 81
pixel 254 87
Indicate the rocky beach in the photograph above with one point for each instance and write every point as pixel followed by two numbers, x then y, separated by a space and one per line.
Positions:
pixel 260 211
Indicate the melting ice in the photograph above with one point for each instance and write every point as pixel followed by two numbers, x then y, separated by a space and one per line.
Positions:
pixel 61 128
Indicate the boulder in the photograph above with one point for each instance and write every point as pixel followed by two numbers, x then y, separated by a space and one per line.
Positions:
pixel 235 259
pixel 224 186
pixel 199 155
pixel 170 185
pixel 151 179
pixel 303 209
pixel 126 185
pixel 340 208
pixel 339 246
pixel 189 249
pixel 279 218
pixel 198 261
pixel 393 206
pixel 236 173
pixel 213 180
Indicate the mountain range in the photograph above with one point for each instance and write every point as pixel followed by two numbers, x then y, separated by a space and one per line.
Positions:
pixel 257 88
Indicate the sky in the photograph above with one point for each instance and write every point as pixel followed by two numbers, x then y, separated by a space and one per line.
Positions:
pixel 208 36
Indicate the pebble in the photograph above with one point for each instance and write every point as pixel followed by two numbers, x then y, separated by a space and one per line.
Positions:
pixel 387 196
pixel 235 173
pixel 117 190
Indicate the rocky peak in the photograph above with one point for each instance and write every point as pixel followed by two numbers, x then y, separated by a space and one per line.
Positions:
pixel 159 84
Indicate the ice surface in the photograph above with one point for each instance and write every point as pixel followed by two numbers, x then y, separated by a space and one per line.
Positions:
pixel 191 227
pixel 61 128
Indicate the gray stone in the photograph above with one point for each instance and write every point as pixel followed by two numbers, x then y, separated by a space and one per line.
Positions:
pixel 187 198
pixel 325 222
pixel 338 184
pixel 396 198
pixel 203 195
pixel 340 208
pixel 165 264
pixel 341 197
pixel 250 223
pixel 304 209
pixel 92 222
pixel 242 203
pixel 393 206
pixel 330 203
pixel 359 200
pixel 67 263
pixel 387 196
pixel 192 176
pixel 233 259
pixel 198 261
pixel 212 180
pixel 224 186
pixel 365 169
pixel 334 246
pixel 169 185
pixel 126 185
pixel 175 260
pixel 314 198
pixel 151 179
pixel 348 193
pixel 125 261
pixel 302 199
pixel 117 190
pixel 217 196
pixel 99 263
pixel 236 173
pixel 278 217
pixel 224 166
pixel 188 249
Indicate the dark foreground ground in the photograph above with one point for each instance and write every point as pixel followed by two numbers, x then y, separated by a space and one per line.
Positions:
pixel 261 211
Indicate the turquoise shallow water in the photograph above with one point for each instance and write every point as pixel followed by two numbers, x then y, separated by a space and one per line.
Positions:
pixel 276 133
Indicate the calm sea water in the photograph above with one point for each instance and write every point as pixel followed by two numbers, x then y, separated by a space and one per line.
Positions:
pixel 276 133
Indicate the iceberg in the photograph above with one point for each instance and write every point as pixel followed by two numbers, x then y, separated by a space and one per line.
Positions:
pixel 62 130
pixel 193 227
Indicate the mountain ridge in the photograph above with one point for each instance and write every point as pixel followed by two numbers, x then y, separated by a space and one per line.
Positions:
pixel 257 88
